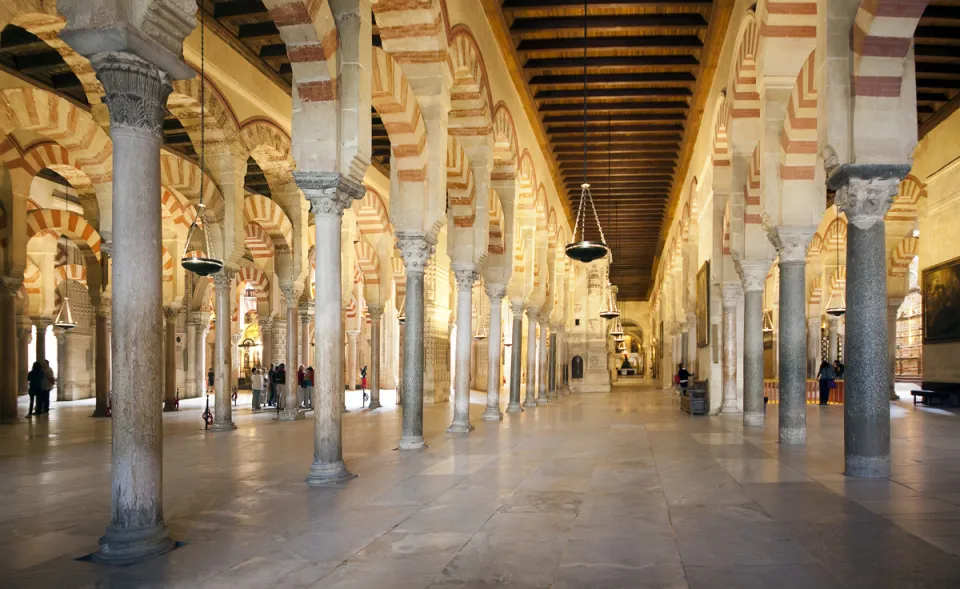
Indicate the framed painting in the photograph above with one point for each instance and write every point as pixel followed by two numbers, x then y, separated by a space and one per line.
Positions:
pixel 703 305
pixel 940 288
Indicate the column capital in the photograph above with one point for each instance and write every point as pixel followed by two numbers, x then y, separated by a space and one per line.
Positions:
pixel 11 285
pixel 352 334
pixel 814 322
pixel 833 321
pixel 466 276
pixel 732 291
pixel 136 91
pixel 305 314
pixel 496 292
pixel 329 193
pixel 791 242
pixel 516 307
pixel 223 279
pixel 753 274
pixel 533 313
pixel 266 324
pixel 415 249
pixel 292 292
pixel 691 317
pixel 866 191
pixel 375 311
pixel 171 312
pixel 199 317
pixel 42 322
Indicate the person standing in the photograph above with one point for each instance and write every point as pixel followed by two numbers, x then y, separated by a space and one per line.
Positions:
pixel 279 381
pixel 35 379
pixel 301 386
pixel 256 383
pixel 838 368
pixel 211 377
pixel 309 402
pixel 683 378
pixel 827 376
pixel 363 383
pixel 49 381
pixel 271 394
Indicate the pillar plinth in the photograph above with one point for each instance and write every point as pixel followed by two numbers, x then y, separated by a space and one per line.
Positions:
pixel 291 404
pixel 516 357
pixel 223 353
pixel 466 277
pixel 791 243
pixel 731 298
pixel 415 249
pixel 753 274
pixel 329 195
pixel 376 313
pixel 530 400
pixel 864 194
pixel 136 92
pixel 492 412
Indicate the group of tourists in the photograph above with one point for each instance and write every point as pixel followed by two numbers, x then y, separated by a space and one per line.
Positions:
pixel 267 385
pixel 40 381
pixel 828 374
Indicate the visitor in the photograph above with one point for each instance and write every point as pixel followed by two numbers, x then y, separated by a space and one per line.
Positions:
pixel 271 392
pixel 683 377
pixel 211 377
pixel 256 383
pixel 363 384
pixel 838 368
pixel 49 380
pixel 35 379
pixel 279 381
pixel 309 378
pixel 301 386
pixel 827 377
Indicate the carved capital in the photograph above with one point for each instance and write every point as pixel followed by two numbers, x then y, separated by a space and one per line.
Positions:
pixel 496 292
pixel 329 193
pixel 791 242
pixel 170 313
pixel 753 274
pixel 731 293
pixel 136 91
pixel 305 314
pixel 867 200
pixel 266 325
pixel 375 311
pixel 466 276
pixel 516 307
pixel 11 285
pixel 533 313
pixel 223 279
pixel 415 248
pixel 291 293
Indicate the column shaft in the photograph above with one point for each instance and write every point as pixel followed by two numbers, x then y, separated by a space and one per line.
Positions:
pixel 813 346
pixel 170 361
pixel 416 251
pixel 792 363
pixel 552 367
pixel 376 313
pixel 731 296
pixel 753 413
pixel 223 371
pixel 352 368
pixel 190 371
pixel 461 400
pixel 305 356
pixel 893 307
pixel 492 411
pixel 531 398
pixel 516 358
pixel 10 367
pixel 291 404
pixel 542 365
pixel 833 338
pixel 199 364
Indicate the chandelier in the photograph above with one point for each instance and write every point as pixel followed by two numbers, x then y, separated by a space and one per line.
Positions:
pixel 617 329
pixel 581 249
pixel 203 263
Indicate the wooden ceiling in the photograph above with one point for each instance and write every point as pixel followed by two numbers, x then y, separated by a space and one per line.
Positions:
pixel 643 60
pixel 937 50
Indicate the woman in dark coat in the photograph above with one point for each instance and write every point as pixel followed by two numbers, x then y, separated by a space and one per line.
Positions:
pixel 826 376
pixel 35 385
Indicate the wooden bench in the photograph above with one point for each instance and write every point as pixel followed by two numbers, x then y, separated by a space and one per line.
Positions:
pixel 926 396
pixel 694 400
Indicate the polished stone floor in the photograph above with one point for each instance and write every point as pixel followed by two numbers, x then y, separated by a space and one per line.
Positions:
pixel 619 490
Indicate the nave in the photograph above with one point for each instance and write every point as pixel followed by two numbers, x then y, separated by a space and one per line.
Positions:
pixel 600 491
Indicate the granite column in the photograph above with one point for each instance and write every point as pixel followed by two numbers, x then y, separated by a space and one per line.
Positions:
pixel 552 367
pixel 516 357
pixel 531 398
pixel 542 365
pixel 415 249
pixel 291 404
pixel 376 314
pixel 753 274
pixel 8 372
pixel 170 359
pixel 496 293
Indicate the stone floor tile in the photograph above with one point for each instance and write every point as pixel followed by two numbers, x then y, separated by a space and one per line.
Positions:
pixel 781 576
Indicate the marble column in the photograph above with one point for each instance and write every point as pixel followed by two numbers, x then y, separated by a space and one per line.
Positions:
pixel 24 335
pixel 531 397
pixel 685 344
pixel 415 249
pixel 833 337
pixel 306 358
pixel 753 274
pixel 223 353
pixel 542 365
pixel 376 314
pixel 170 359
pixel 190 370
pixel 42 324
pixel 329 194
pixel 135 94
pixel 692 364
pixel 291 404
pixel 496 292
pixel 732 292
pixel 813 346
pixel 63 363
pixel 8 371
pixel 200 348
pixel 893 307
pixel 466 276
pixel 791 243
pixel 516 358
pixel 552 367
pixel 864 194
pixel 266 340
pixel 352 368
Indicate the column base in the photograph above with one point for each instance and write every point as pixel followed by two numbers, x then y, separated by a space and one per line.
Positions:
pixel 412 443
pixel 532 403
pixel 327 474
pixel 753 419
pixel 223 426
pixel 542 400
pixel 374 405
pixel 793 435
pixel 460 428
pixel 121 547
pixel 867 467
pixel 292 414
pixel 169 406
pixel 100 413
pixel 492 414
pixel 514 408
pixel 729 407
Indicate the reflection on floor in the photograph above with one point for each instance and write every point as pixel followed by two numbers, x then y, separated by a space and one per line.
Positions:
pixel 600 491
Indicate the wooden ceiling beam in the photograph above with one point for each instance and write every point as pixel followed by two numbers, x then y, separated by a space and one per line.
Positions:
pixel 596 79
pixel 689 20
pixel 511 6
pixel 239 8
pixel 611 61
pixel 616 106
pixel 260 30
pixel 614 92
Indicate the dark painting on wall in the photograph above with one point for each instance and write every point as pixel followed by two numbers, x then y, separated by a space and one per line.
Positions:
pixel 703 305
pixel 941 302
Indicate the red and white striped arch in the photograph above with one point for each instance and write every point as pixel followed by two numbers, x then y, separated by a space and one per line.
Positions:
pixel 721 141
pixel 64 223
pixel 258 241
pixel 372 215
pixel 32 280
pixel 505 146
pixel 752 215
pixel 74 272
pixel 367 262
pixel 789 19
pixel 268 214
pixel 726 229
pixel 905 206
pixel 816 246
pixel 460 187
pixel 816 290
pixel 310 33
pixel 552 227
pixel 183 177
pixel 166 262
pixel 903 255
pixel 881 38
pixel 397 106
pixel 495 243
pixel 798 141
pixel 526 195
pixel 255 277
pixel 399 277
pixel 269 146
pixel 745 99
pixel 838 282
pixel 835 235
pixel 541 208
pixel 471 102
pixel 53 156
pixel 181 213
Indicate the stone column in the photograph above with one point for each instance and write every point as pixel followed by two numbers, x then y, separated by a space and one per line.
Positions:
pixel 833 337
pixel 136 92
pixel 223 353
pixel 305 356
pixel 813 346
pixel 376 313
pixel 352 368
pixel 200 347
pixel 753 275
pixel 415 249
pixel 685 344
pixel 791 243
pixel 864 194
pixel 552 367
pixel 516 357
pixel 542 365
pixel 465 276
pixel 24 336
pixel 170 359
pixel 63 363
pixel 291 405
pixel 893 307
pixel 531 398
pixel 731 297
pixel 190 371
pixel 266 341
pixel 41 344
pixel 692 364
pixel 9 369
pixel 329 194
pixel 496 292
